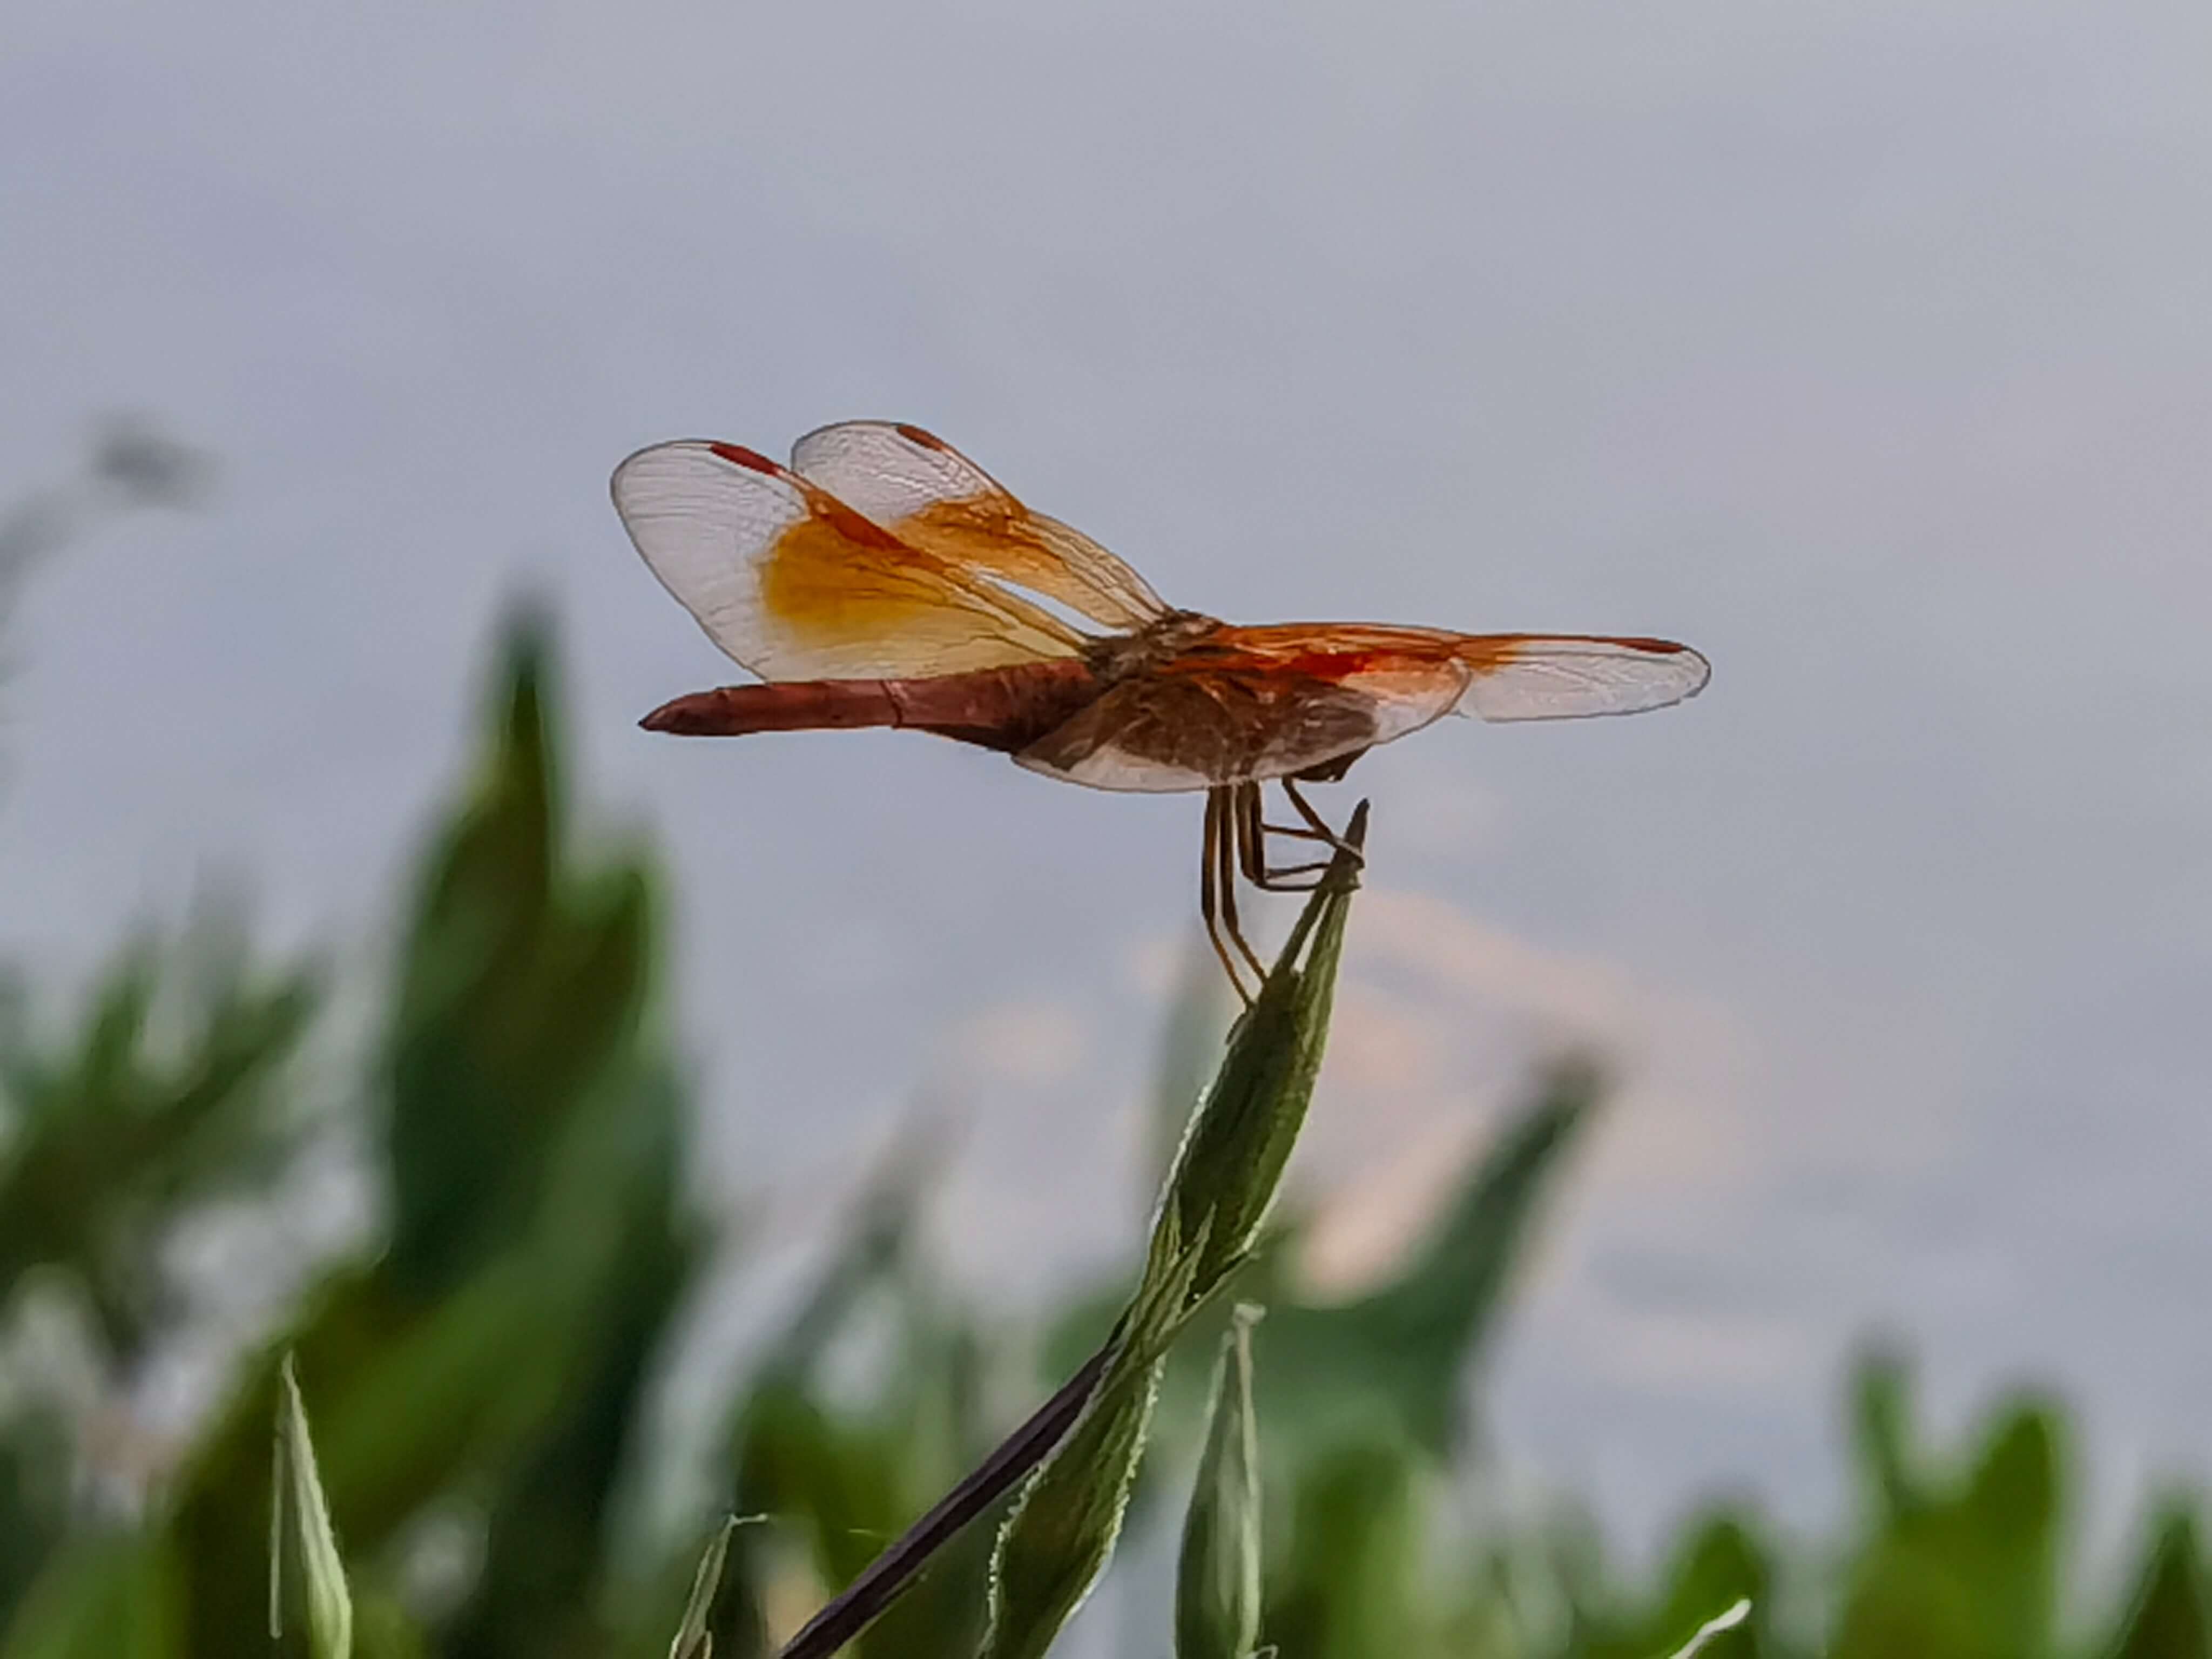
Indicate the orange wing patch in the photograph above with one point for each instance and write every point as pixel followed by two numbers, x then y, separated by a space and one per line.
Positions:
pixel 795 583
pixel 936 499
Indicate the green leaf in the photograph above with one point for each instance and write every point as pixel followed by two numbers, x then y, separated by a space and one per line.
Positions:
pixel 1881 1426
pixel 522 983
pixel 1720 1622
pixel 107 1138
pixel 383 1628
pixel 37 1482
pixel 1967 1570
pixel 692 1640
pixel 546 1544
pixel 1350 1586
pixel 1720 1562
pixel 301 1532
pixel 2168 1618
pixel 103 1598
pixel 1218 1579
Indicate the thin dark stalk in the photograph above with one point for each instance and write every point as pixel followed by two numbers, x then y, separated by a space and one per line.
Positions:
pixel 894 1572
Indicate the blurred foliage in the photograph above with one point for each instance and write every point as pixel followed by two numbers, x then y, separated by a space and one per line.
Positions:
pixel 481 1368
pixel 140 1114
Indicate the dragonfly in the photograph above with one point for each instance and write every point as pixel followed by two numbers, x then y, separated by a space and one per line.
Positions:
pixel 882 579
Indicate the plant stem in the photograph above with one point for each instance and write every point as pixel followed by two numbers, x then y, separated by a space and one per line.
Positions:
pixel 893 1572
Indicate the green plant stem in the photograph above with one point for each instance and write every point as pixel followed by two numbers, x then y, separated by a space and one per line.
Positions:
pixel 891 1573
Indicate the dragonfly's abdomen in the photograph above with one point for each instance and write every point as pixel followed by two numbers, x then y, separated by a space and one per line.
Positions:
pixel 1001 708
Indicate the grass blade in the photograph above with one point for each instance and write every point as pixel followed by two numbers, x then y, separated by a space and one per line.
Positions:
pixel 693 1640
pixel 1217 1577
pixel 1712 1627
pixel 303 1522
pixel 2169 1615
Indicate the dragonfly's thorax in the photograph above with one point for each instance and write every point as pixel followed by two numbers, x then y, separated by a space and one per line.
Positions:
pixel 1119 655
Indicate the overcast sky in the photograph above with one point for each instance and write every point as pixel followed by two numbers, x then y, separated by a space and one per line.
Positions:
pixel 1866 346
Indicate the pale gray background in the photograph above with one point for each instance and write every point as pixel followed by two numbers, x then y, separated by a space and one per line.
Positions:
pixel 1868 346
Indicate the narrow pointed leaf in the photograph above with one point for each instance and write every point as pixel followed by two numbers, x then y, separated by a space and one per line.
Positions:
pixel 102 1598
pixel 1350 1585
pixel 692 1639
pixel 1883 1432
pixel 1712 1627
pixel 2168 1618
pixel 1968 1567
pixel 307 1534
pixel 1218 1579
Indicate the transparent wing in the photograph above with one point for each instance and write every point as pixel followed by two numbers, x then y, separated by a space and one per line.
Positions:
pixel 795 583
pixel 917 485
pixel 1549 676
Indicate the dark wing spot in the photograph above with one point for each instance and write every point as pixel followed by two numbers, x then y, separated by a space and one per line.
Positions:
pixel 914 434
pixel 752 459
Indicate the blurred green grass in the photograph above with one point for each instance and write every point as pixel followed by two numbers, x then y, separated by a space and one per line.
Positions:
pixel 478 1373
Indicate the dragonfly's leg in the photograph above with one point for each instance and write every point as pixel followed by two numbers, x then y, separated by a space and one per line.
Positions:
pixel 1226 853
pixel 1251 844
pixel 1252 833
pixel 1209 891
pixel 1301 831
pixel 1318 825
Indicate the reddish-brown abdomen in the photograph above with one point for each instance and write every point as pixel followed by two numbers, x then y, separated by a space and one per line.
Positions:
pixel 1001 708
pixel 731 711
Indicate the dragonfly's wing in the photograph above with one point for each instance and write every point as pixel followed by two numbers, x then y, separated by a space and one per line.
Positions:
pixel 917 485
pixel 1547 676
pixel 797 584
